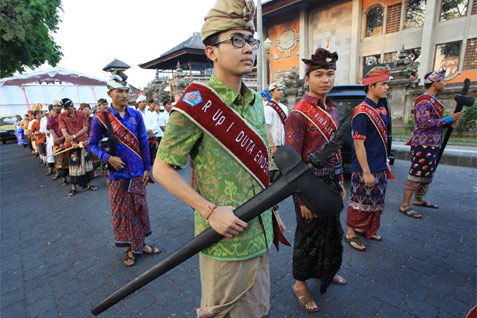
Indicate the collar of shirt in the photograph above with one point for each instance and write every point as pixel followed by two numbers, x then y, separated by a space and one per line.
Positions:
pixel 229 96
pixel 314 101
pixel 115 112
pixel 371 103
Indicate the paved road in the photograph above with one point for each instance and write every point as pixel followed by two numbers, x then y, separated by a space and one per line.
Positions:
pixel 58 258
pixel 450 149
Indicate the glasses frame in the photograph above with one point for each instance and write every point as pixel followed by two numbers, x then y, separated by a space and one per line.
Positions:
pixel 245 40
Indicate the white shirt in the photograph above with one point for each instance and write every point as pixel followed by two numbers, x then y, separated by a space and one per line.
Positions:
pixel 31 123
pixel 158 121
pixel 277 129
pixel 148 121
pixel 43 123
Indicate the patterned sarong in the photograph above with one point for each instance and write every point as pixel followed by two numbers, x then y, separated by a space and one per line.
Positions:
pixel 366 204
pixel 80 167
pixel 61 163
pixel 130 213
pixel 423 166
pixel 318 250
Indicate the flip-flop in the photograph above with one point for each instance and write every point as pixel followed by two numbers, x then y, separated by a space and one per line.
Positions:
pixel 71 193
pixel 426 204
pixel 154 250
pixel 129 259
pixel 92 188
pixel 355 240
pixel 411 213
pixel 304 298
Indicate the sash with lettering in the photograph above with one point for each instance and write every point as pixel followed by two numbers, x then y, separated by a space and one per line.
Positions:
pixel 436 105
pixel 123 134
pixel 318 117
pixel 378 122
pixel 279 110
pixel 206 109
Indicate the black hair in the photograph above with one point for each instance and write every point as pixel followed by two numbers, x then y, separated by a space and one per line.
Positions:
pixel 211 40
pixel 366 88
pixel 151 101
pixel 102 101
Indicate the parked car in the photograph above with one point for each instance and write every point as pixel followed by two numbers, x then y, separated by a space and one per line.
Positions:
pixel 346 97
pixel 7 128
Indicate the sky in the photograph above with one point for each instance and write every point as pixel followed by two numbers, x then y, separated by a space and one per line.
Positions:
pixel 93 33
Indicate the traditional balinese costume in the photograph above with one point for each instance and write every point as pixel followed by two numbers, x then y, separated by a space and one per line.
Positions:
pixel 61 160
pixel 234 272
pixel 127 192
pixel 427 138
pixel 80 164
pixel 317 251
pixel 370 122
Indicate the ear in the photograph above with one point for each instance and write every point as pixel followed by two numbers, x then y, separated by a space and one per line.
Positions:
pixel 307 80
pixel 110 93
pixel 211 53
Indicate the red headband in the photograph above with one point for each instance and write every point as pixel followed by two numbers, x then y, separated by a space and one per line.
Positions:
pixel 381 75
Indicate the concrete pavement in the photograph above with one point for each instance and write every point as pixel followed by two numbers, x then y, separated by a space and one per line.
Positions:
pixel 58 258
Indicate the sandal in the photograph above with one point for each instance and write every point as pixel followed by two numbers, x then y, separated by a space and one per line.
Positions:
pixel 304 298
pixel 55 178
pixel 71 193
pixel 374 237
pixel 151 249
pixel 339 280
pixel 92 188
pixel 426 204
pixel 357 241
pixel 65 183
pixel 411 213
pixel 129 259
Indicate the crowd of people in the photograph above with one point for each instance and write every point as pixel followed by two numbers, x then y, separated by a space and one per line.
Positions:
pixel 58 137
pixel 230 135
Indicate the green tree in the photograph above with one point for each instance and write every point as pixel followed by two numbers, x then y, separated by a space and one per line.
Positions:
pixel 26 27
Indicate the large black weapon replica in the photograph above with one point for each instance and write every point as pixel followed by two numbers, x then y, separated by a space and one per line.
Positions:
pixel 296 178
pixel 462 100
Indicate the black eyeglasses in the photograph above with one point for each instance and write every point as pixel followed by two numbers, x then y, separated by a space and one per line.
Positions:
pixel 239 42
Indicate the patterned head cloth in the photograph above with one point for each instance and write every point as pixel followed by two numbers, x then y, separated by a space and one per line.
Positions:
pixel 436 76
pixel 66 102
pixel 321 59
pixel 229 15
pixel 117 80
pixel 376 75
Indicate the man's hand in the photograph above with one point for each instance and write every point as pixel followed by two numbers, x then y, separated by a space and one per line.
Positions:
pixel 145 177
pixel 454 124
pixel 224 221
pixel 306 213
pixel 273 149
pixel 369 179
pixel 343 192
pixel 456 116
pixel 116 162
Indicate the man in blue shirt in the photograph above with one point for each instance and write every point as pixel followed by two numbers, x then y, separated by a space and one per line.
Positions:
pixel 369 161
pixel 131 168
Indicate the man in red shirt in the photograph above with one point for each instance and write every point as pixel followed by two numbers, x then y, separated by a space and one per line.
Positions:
pixel 74 126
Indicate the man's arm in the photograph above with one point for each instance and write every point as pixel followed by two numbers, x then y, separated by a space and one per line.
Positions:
pixel 363 162
pixel 222 218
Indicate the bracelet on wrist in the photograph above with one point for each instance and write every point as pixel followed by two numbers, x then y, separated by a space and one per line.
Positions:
pixel 212 208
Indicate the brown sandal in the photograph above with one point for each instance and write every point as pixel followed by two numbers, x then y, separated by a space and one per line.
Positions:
pixel 304 298
pixel 129 258
pixel 152 249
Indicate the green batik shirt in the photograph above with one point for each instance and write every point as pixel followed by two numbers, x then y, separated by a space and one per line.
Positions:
pixel 219 178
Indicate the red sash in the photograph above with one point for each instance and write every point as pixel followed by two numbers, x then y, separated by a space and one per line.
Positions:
pixel 378 122
pixel 376 119
pixel 122 133
pixel 436 105
pixel 207 110
pixel 279 110
pixel 318 117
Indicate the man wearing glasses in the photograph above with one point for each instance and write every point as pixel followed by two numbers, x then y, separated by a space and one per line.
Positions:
pixel 221 125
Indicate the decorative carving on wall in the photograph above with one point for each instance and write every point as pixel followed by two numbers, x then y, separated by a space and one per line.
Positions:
pixel 287 40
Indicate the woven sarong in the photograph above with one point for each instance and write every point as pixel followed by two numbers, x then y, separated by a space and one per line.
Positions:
pixel 80 167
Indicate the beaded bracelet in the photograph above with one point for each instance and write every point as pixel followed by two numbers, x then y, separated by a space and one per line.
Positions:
pixel 212 209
